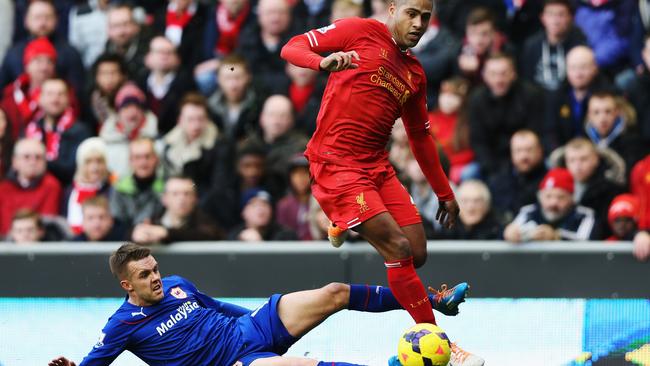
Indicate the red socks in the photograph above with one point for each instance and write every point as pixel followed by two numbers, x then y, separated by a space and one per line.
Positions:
pixel 408 290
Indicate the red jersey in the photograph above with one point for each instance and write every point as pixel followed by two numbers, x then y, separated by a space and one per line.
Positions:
pixel 360 106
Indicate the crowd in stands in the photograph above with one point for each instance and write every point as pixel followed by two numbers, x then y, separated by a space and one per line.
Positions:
pixel 164 121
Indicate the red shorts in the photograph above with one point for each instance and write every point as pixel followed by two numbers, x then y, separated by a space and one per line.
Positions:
pixel 350 196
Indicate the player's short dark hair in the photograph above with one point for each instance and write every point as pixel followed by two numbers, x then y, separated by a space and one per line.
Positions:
pixel 480 15
pixel 566 3
pixel 235 59
pixel 125 254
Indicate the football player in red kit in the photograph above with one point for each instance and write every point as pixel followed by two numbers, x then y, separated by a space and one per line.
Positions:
pixel 374 80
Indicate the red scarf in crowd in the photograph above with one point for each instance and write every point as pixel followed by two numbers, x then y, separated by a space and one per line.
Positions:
pixel 52 136
pixel 85 191
pixel 26 101
pixel 131 132
pixel 229 28
pixel 299 95
pixel 177 22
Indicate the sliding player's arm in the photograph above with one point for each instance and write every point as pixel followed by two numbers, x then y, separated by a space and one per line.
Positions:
pixel 206 301
pixel 304 50
pixel 425 151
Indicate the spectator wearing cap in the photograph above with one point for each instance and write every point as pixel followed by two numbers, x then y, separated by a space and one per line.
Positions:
pixel 555 216
pixel 108 75
pixel 259 224
pixel 179 220
pixel 164 82
pixel 189 148
pixel 543 58
pixel 516 185
pixel 236 104
pixel 91 179
pixel 623 217
pixel 598 175
pixel 606 126
pixel 292 210
pixel 88 30
pixel 28 184
pixel 98 224
pixel 41 21
pixel 230 189
pixel 183 23
pixel 477 219
pixel 132 121
pixel 224 24
pixel 126 38
pixel 260 44
pixel 58 128
pixel 20 98
pixel 136 196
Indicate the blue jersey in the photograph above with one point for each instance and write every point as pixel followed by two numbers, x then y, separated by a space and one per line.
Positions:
pixel 186 328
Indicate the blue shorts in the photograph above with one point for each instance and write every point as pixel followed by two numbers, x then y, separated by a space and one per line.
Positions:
pixel 263 333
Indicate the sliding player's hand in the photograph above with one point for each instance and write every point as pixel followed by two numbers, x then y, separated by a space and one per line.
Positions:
pixel 339 61
pixel 61 361
pixel 447 213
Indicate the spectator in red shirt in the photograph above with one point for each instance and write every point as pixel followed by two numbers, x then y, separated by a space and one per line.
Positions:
pixel 28 185
pixel 20 98
pixel 451 128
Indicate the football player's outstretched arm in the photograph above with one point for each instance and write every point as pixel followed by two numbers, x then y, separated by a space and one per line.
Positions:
pixel 304 50
pixel 425 152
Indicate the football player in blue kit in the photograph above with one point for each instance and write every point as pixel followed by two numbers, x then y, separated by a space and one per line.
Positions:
pixel 168 321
